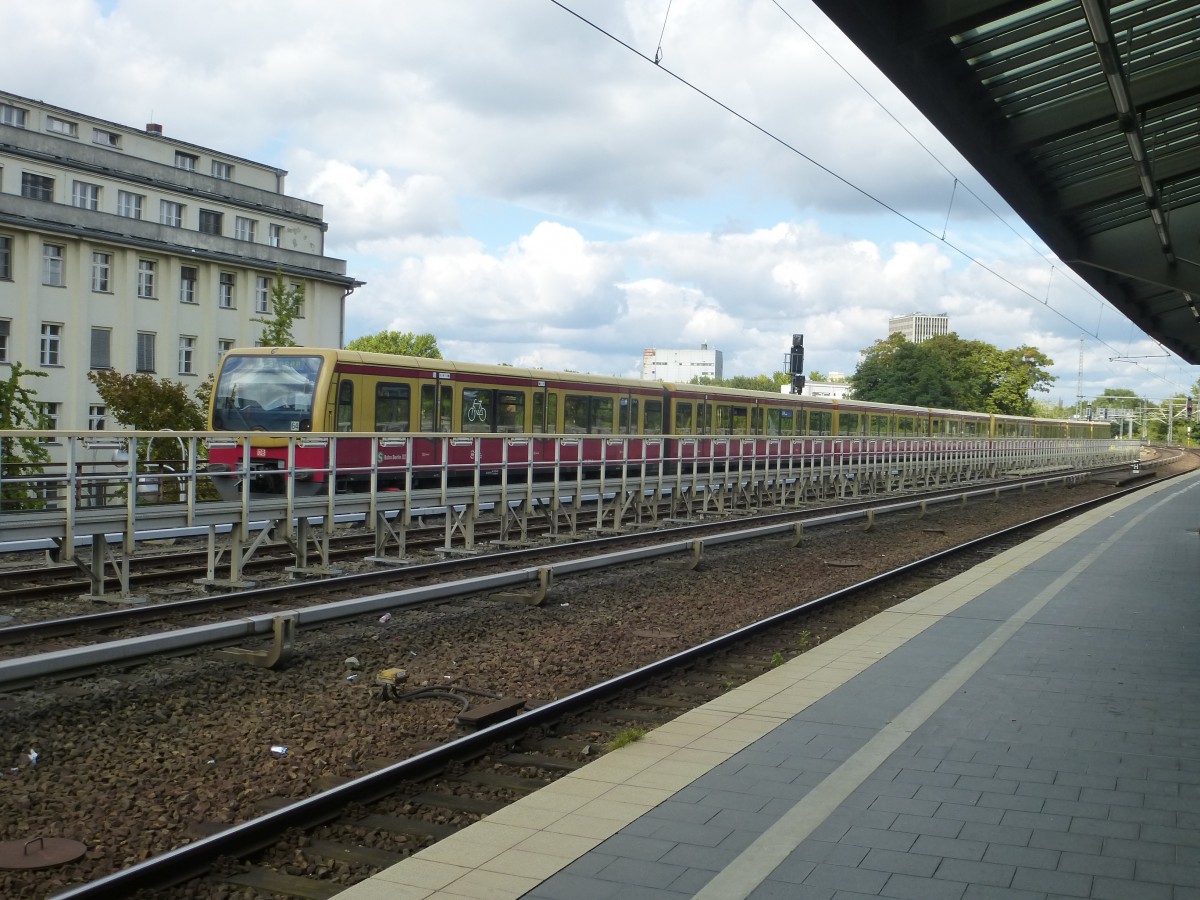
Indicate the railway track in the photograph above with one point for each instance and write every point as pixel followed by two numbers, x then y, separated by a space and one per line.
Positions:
pixel 512 757
pixel 132 621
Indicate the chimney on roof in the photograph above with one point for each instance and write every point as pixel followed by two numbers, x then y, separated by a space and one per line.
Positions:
pixel 153 128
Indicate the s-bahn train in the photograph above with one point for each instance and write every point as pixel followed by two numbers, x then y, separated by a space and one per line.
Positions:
pixel 268 394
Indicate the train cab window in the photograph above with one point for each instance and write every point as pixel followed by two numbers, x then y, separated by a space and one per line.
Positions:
pixel 628 414
pixel 600 418
pixel 392 402
pixel 575 414
pixel 820 422
pixel 683 418
pixel 478 410
pixel 510 412
pixel 654 417
pixel 345 406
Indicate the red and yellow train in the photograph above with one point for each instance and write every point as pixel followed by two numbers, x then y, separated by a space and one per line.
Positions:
pixel 270 393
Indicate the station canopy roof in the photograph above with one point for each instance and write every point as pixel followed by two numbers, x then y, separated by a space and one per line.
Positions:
pixel 1083 114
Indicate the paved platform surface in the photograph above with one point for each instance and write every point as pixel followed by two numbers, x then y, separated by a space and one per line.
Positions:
pixel 1030 729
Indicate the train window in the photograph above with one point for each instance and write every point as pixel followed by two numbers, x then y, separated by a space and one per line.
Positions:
pixel 445 408
pixel 510 412
pixel 879 424
pixel 345 405
pixel 704 419
pixel 545 413
pixel 683 418
pixel 799 421
pixel 478 410
pixel 628 413
pixel 849 423
pixel 741 420
pixel 575 414
pixel 820 422
pixel 774 421
pixel 787 421
pixel 654 417
pixel 601 419
pixel 906 426
pixel 392 402
pixel 724 420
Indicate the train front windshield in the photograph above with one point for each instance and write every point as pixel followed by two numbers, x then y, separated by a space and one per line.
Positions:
pixel 265 393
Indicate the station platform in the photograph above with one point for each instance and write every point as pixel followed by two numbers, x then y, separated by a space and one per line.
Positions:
pixel 1029 729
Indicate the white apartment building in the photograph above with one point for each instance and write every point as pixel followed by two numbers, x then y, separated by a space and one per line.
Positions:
pixel 681 365
pixel 919 327
pixel 122 248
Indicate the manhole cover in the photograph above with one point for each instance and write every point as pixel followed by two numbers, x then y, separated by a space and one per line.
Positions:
pixel 39 853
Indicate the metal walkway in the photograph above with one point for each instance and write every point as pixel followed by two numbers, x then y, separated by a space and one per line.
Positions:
pixel 1030 729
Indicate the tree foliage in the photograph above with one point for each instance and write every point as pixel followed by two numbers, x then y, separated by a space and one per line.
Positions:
pixel 951 373
pixel 20 457
pixel 400 343
pixel 286 304
pixel 146 403
pixel 769 383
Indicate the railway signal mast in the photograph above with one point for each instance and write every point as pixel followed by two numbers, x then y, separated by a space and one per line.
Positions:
pixel 793 363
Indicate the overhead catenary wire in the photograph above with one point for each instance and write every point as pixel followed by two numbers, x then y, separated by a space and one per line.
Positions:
pixel 766 132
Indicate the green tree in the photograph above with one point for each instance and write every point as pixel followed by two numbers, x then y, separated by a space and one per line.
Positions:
pixel 769 383
pixel 20 457
pixel 948 372
pixel 146 403
pixel 286 305
pixel 400 343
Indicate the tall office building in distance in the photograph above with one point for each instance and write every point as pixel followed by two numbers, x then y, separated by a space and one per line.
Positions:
pixel 919 327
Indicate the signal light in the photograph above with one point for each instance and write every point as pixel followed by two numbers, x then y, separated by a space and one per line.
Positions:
pixel 1189 407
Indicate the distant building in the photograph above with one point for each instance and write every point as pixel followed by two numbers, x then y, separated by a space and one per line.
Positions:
pixel 919 327
pixel 833 389
pixel 681 365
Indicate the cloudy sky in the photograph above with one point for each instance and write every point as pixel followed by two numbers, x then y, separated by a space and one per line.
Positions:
pixel 520 178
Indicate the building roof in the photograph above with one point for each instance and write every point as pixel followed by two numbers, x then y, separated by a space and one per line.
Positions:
pixel 1084 116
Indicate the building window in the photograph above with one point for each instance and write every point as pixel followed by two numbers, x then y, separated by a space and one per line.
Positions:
pixel 295 289
pixel 85 195
pixel 129 204
pixel 48 413
pixel 145 351
pixel 222 170
pixel 105 138
pixel 225 292
pixel 5 257
pixel 262 294
pixel 37 187
pixel 170 213
pixel 243 229
pixel 61 126
pixel 101 348
pixel 101 272
pixel 224 345
pixel 5 328
pixel 52 265
pixel 97 417
pixel 51 344
pixel 146 268
pixel 186 161
pixel 210 221
pixel 276 236
pixel 187 284
pixel 12 115
pixel 187 348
